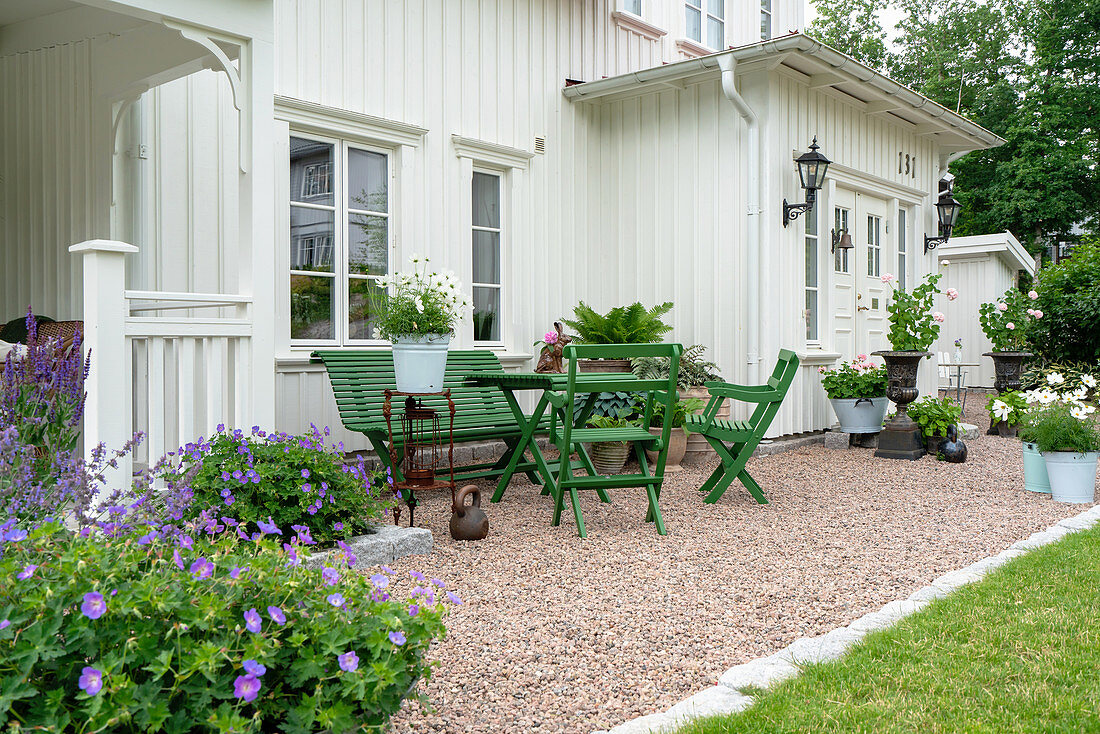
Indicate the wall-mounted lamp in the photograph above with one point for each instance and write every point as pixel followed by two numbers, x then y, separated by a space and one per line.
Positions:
pixel 841 240
pixel 947 211
pixel 811 174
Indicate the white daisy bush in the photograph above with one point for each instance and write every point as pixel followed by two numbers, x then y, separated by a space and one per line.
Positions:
pixel 212 625
pixel 419 302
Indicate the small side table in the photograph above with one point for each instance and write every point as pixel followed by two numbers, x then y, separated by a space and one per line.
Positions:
pixel 421 446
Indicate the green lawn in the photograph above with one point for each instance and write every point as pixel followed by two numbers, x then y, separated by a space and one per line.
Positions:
pixel 1017 652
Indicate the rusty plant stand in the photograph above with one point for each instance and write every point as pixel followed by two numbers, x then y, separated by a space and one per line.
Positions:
pixel 421 446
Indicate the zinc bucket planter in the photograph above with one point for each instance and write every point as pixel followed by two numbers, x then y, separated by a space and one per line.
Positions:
pixel 1035 470
pixel 860 415
pixel 420 362
pixel 1072 475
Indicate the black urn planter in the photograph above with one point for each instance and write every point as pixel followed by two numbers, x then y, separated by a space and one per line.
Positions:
pixel 901 436
pixel 1008 368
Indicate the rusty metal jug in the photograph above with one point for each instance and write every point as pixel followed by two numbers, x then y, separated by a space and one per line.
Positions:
pixel 468 522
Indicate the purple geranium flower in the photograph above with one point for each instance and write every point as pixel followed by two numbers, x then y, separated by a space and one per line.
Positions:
pixel 269 527
pixel 336 600
pixel 26 573
pixel 397 638
pixel 349 661
pixel 338 527
pixel 276 615
pixel 380 581
pixel 253 668
pixel 91 680
pixel 247 687
pixel 414 609
pixel 176 558
pixel 202 568
pixel 235 572
pixel 305 473
pixel 252 620
pixel 14 535
pixel 331 576
pixel 5 623
pixel 453 598
pixel 94 605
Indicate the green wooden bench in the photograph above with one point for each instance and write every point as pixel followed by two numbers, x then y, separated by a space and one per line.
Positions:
pixel 360 378
pixel 736 440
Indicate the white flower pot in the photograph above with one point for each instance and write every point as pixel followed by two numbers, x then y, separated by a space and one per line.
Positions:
pixel 420 362
pixel 1035 470
pixel 1072 476
pixel 860 415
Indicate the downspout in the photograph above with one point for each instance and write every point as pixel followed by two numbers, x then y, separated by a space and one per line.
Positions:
pixel 946 161
pixel 728 64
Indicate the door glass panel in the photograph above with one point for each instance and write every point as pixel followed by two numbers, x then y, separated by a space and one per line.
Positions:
pixel 311 171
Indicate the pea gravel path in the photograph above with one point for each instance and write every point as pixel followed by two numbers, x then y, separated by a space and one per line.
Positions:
pixel 559 634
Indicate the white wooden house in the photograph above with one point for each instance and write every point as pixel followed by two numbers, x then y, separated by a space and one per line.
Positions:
pixel 263 160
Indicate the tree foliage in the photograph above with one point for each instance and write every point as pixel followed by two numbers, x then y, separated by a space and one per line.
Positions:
pixel 1028 71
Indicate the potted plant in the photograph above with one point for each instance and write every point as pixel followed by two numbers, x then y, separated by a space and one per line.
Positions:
pixel 694 371
pixel 913 328
pixel 633 324
pixel 609 457
pixel 1006 323
pixel 418 315
pixel 1069 440
pixel 1006 412
pixel 857 392
pixel 934 416
pixel 678 438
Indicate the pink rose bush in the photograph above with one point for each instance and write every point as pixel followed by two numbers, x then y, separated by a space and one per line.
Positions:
pixel 913 324
pixel 859 378
pixel 1009 321
pixel 110 634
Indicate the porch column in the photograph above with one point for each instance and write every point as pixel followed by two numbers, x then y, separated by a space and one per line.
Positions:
pixel 108 410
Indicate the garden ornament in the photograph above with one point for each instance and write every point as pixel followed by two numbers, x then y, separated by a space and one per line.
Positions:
pixel 550 360
pixel 953 449
pixel 468 522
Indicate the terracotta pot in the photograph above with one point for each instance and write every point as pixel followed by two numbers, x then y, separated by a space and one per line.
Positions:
pixel 901 436
pixel 604 365
pixel 677 446
pixel 609 457
pixel 698 450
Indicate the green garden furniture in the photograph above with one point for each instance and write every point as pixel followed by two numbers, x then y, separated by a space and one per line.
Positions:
pixel 733 440
pixel 360 378
pixel 568 437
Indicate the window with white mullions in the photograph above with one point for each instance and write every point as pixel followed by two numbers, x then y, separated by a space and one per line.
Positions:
pixel 632 6
pixel 840 225
pixel 340 238
pixel 486 246
pixel 812 287
pixel 874 245
pixel 765 20
pixel 902 247
pixel 706 22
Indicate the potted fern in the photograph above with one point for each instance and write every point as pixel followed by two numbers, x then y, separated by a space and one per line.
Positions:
pixel 693 373
pixel 633 324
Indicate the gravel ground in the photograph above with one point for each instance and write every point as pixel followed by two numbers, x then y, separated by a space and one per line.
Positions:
pixel 559 634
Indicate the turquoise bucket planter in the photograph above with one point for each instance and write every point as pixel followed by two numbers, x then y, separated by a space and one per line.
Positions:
pixel 1035 470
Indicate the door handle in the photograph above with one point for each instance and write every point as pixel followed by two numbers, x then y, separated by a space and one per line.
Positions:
pixel 862 308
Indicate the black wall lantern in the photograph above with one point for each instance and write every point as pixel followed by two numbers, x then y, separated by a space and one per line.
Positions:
pixel 811 174
pixel 947 211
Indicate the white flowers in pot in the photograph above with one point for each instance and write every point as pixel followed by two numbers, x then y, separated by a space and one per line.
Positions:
pixel 1064 430
pixel 418 315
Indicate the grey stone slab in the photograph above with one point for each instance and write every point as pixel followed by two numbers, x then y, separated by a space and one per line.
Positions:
pixel 820 649
pixel 1078 522
pixel 759 673
pixel 927 594
pixel 898 610
pixel 386 544
pixel 651 724
pixel 969 431
pixel 715 700
pixel 957 579
pixel 872 621
pixel 837 440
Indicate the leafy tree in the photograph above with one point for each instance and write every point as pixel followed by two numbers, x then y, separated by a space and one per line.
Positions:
pixel 852 26
pixel 1069 297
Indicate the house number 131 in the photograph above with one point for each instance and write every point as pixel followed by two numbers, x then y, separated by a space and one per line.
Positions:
pixel 907 165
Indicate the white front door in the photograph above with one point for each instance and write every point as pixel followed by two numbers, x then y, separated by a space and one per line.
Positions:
pixel 872 260
pixel 844 282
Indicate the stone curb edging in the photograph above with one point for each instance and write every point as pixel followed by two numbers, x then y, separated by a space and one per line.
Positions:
pixel 726 697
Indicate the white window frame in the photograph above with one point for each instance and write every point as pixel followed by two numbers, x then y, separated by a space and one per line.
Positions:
pixel 341 248
pixel 812 243
pixel 628 6
pixel 874 245
pixel 704 14
pixel 903 247
pixel 766 13
pixel 841 262
pixel 502 180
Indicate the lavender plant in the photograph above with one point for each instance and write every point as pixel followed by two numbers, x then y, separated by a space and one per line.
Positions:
pixel 205 626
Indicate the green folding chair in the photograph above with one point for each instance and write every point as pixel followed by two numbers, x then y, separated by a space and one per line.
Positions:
pixel 568 437
pixel 734 441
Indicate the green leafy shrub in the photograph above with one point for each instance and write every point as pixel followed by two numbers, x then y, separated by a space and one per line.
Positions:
pixel 934 415
pixel 1069 297
pixel 1062 426
pixel 1010 408
pixel 203 633
pixel 1010 320
pixel 913 324
pixel 859 378
pixel 609 404
pixel 693 371
pixel 633 324
pixel 294 480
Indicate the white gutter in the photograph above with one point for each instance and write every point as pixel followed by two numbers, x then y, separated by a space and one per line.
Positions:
pixel 728 64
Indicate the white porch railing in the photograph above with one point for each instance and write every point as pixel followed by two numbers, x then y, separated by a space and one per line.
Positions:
pixel 172 377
